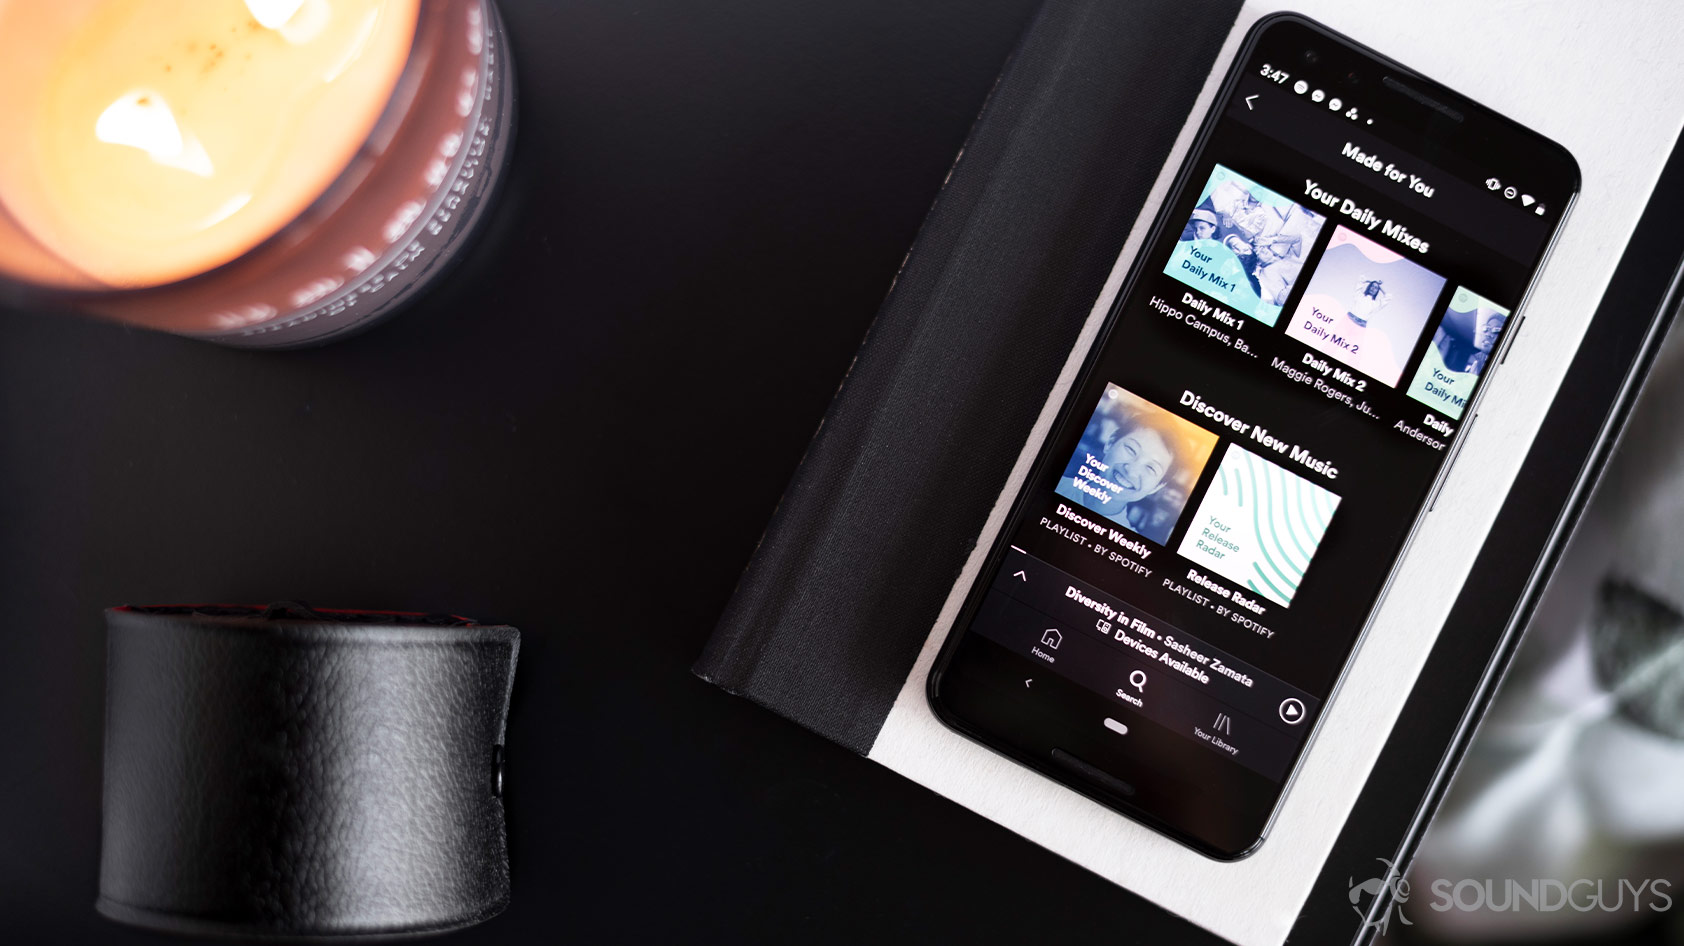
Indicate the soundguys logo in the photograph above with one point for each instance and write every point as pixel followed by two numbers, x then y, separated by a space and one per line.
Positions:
pixel 1390 881
pixel 1539 895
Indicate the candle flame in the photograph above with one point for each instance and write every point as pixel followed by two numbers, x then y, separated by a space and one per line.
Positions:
pixel 142 119
pixel 273 14
pixel 298 21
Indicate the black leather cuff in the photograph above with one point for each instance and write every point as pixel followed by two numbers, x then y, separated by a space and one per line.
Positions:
pixel 287 772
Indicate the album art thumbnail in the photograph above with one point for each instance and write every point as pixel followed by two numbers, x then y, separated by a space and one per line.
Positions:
pixel 1259 525
pixel 1365 306
pixel 1466 334
pixel 1244 245
pixel 1136 464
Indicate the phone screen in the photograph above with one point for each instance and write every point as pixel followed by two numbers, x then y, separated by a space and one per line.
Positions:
pixel 1233 477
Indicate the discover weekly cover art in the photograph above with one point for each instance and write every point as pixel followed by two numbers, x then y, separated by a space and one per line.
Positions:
pixel 1136 464
pixel 1244 245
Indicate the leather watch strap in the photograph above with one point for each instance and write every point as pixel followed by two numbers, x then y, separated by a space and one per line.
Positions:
pixel 286 772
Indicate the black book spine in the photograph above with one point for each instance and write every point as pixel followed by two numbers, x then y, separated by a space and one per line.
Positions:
pixel 897 483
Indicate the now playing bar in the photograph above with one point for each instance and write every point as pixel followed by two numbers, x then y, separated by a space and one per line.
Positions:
pixel 1147 667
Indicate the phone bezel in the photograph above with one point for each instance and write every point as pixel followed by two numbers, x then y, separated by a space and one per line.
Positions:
pixel 1478 124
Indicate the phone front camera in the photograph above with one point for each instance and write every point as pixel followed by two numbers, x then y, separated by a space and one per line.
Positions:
pixel 1311 56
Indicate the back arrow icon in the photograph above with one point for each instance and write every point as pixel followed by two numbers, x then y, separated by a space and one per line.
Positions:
pixel 1029 681
pixel 1021 575
pixel 1248 104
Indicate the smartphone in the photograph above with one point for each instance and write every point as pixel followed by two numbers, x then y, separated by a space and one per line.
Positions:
pixel 1263 420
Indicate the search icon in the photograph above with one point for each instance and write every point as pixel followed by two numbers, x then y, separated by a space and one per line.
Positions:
pixel 1138 680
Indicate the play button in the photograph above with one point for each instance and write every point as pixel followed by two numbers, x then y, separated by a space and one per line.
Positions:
pixel 1292 710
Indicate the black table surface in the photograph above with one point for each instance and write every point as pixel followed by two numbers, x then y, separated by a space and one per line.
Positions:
pixel 581 432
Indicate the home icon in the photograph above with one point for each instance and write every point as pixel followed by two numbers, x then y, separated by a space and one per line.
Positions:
pixel 1052 638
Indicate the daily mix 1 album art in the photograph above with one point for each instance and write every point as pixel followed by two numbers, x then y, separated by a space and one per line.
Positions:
pixel 1466 334
pixel 1244 245
pixel 1259 524
pixel 1136 464
pixel 1365 306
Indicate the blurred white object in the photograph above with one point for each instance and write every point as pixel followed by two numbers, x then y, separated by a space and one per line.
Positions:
pixel 1577 773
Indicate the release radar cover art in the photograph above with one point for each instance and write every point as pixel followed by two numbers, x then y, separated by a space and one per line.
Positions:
pixel 1244 245
pixel 1259 525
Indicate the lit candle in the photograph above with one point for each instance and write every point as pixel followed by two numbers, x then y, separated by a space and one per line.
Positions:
pixel 263 173
pixel 151 140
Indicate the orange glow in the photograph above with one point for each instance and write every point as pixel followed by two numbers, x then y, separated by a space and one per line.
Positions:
pixel 152 140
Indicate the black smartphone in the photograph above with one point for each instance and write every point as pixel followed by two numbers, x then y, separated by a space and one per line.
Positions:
pixel 1264 418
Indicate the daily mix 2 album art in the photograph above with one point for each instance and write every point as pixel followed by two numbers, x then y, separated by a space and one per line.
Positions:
pixel 1365 306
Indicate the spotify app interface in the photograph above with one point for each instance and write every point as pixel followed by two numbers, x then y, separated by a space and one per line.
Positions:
pixel 1233 482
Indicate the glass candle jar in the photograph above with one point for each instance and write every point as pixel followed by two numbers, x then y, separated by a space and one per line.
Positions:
pixel 262 173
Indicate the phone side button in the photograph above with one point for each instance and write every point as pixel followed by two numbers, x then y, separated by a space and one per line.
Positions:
pixel 1094 774
pixel 1514 336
